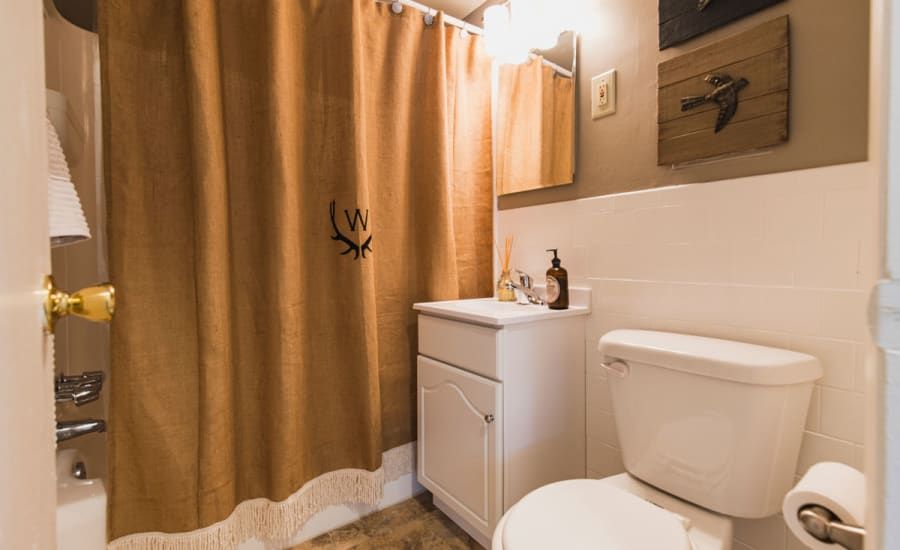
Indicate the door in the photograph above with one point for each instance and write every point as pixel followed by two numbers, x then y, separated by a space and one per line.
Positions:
pixel 27 486
pixel 460 430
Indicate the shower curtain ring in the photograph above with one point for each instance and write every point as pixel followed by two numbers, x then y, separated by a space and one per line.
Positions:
pixel 429 18
pixel 397 7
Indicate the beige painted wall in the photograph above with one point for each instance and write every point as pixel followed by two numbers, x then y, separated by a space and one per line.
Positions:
pixel 829 97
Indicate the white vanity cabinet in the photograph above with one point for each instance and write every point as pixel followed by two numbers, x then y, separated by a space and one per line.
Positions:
pixel 460 441
pixel 500 398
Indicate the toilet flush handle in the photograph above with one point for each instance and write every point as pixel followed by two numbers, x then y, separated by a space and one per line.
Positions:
pixel 616 367
pixel 825 526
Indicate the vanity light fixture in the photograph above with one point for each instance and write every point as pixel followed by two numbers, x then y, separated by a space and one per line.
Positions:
pixel 514 28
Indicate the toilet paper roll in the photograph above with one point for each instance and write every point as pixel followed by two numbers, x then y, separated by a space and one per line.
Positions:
pixel 834 486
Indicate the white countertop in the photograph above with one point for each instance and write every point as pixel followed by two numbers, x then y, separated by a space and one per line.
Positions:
pixel 490 312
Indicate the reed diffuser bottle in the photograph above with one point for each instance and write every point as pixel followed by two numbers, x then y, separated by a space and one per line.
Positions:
pixel 505 291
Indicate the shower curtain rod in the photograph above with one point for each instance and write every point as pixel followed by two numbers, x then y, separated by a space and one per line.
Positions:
pixel 448 19
pixel 559 70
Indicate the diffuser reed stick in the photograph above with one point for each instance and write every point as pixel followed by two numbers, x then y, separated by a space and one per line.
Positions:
pixel 505 292
pixel 505 255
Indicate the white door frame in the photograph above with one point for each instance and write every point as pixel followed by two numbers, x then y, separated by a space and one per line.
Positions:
pixel 883 388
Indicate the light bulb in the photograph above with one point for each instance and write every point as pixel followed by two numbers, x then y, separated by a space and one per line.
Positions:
pixel 534 22
pixel 512 30
pixel 500 41
pixel 496 30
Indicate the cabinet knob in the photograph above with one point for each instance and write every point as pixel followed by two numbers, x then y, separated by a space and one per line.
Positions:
pixel 489 418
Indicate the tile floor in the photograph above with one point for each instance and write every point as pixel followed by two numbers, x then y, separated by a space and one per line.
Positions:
pixel 413 524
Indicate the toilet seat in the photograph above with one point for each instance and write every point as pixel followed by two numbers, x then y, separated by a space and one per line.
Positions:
pixel 590 514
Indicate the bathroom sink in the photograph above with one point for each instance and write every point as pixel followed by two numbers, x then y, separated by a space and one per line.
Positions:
pixel 488 311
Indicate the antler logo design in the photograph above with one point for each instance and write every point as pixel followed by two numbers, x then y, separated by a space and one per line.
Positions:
pixel 352 246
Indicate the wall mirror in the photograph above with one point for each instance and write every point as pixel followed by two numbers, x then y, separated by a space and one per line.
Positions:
pixel 535 119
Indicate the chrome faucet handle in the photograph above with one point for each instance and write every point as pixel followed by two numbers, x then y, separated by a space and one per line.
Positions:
pixel 80 389
pixel 80 397
pixel 85 377
pixel 528 294
pixel 86 395
pixel 524 279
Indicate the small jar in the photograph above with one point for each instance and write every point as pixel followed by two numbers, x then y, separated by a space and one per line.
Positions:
pixel 505 291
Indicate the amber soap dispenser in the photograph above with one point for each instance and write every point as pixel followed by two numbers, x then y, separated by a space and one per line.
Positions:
pixel 557 284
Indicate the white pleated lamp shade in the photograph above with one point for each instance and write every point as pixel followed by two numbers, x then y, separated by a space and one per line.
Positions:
pixel 67 222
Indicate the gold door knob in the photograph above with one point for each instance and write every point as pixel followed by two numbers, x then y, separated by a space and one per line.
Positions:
pixel 95 303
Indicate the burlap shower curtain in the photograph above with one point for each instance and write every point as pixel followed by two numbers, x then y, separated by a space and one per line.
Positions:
pixel 285 179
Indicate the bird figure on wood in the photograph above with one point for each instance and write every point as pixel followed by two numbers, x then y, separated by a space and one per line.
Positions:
pixel 724 94
pixel 701 4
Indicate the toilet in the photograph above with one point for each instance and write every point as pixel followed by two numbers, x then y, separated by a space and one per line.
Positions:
pixel 709 430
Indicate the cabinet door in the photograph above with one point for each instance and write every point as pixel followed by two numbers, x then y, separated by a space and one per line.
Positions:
pixel 460 430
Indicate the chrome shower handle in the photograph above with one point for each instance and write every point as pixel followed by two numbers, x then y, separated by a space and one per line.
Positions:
pixel 80 389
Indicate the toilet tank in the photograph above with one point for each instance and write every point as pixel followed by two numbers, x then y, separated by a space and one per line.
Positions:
pixel 715 422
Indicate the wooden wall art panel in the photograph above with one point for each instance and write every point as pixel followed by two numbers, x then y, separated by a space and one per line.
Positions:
pixel 681 20
pixel 727 97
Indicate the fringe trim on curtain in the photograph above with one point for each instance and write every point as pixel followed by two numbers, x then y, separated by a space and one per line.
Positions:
pixel 278 522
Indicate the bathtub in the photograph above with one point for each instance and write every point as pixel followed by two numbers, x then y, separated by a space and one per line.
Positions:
pixel 80 506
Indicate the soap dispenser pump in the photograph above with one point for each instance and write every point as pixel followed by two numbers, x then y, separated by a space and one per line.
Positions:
pixel 557 284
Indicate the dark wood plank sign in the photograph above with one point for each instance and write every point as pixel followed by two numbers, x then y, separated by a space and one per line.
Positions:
pixel 727 97
pixel 681 20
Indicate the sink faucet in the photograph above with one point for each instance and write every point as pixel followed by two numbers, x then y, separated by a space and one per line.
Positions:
pixel 73 428
pixel 524 286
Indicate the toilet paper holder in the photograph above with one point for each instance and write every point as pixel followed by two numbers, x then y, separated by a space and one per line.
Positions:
pixel 825 526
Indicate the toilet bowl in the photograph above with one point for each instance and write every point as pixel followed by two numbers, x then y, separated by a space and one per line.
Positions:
pixel 615 513
pixel 709 430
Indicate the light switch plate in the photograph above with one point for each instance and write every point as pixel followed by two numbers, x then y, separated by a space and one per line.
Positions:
pixel 603 94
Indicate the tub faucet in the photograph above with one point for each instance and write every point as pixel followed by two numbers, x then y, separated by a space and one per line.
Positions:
pixel 73 428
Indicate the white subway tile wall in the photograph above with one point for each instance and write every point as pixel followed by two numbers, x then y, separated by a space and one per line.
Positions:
pixel 784 260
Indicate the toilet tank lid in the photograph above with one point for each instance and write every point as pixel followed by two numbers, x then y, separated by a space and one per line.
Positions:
pixel 724 359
